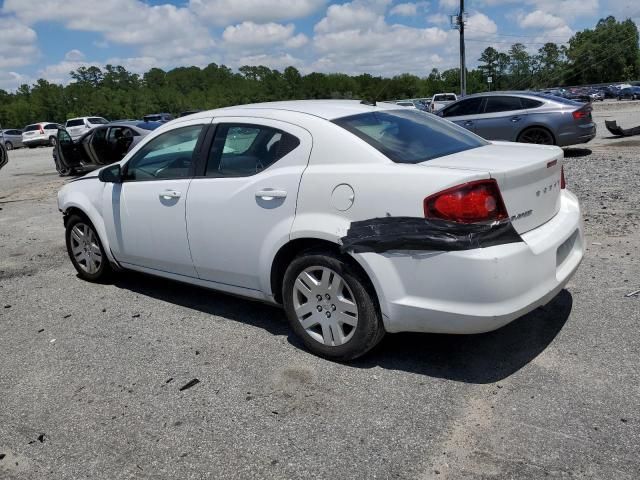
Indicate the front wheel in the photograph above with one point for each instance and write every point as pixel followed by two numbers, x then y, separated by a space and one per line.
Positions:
pixel 537 135
pixel 85 250
pixel 331 307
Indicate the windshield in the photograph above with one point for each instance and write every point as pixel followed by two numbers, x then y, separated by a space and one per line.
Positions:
pixel 410 136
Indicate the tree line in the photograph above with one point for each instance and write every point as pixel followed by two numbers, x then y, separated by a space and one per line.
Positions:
pixel 607 53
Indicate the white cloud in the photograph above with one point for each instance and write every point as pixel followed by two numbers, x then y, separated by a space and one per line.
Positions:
pixel 298 41
pixel 353 15
pixel 438 19
pixel 406 9
pixel 74 55
pixel 541 20
pixel 223 12
pixel 251 34
pixel 12 80
pixel 18 44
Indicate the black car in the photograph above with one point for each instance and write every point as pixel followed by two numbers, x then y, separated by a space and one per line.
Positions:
pixel 101 145
pixel 631 93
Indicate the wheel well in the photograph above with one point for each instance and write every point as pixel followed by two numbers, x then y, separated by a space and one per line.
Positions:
pixel 73 211
pixel 291 250
pixel 542 127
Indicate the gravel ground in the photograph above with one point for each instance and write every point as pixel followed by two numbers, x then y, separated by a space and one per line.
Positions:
pixel 90 374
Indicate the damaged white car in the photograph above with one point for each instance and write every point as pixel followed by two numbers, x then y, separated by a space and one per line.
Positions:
pixel 358 218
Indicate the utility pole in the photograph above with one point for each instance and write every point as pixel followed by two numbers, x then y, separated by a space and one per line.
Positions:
pixel 463 69
pixel 457 22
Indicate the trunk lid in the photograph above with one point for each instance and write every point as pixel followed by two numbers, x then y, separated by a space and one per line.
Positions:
pixel 528 177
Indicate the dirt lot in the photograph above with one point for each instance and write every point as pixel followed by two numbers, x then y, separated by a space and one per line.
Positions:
pixel 90 374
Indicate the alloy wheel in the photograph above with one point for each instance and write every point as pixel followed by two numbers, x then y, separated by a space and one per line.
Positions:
pixel 85 248
pixel 537 136
pixel 325 306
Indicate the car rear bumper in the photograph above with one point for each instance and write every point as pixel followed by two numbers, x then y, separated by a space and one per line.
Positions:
pixel 479 290
pixel 581 134
pixel 36 141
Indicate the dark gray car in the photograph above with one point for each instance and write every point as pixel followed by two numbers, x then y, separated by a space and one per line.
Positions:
pixel 101 145
pixel 523 117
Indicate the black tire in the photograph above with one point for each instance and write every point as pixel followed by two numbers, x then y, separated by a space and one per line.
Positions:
pixel 52 141
pixel 103 271
pixel 536 135
pixel 31 146
pixel 369 329
pixel 9 145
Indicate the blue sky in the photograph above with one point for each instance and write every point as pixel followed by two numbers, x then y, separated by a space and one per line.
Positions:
pixel 48 38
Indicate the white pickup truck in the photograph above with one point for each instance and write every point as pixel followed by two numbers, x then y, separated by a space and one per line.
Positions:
pixel 440 100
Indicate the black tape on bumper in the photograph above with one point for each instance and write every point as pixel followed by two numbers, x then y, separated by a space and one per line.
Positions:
pixel 412 233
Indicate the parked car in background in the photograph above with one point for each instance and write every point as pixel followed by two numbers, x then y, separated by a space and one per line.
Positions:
pixel 158 117
pixel 4 156
pixel 79 126
pixel 275 202
pixel 441 100
pixel 596 95
pixel 12 138
pixel 101 145
pixel 629 93
pixel 523 117
pixel 41 133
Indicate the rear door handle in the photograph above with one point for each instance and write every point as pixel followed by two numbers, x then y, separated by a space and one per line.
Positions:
pixel 468 123
pixel 169 194
pixel 270 194
pixel 516 119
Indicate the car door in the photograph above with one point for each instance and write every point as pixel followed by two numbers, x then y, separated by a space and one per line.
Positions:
pixel 145 213
pixel 501 118
pixel 243 203
pixel 68 153
pixel 462 113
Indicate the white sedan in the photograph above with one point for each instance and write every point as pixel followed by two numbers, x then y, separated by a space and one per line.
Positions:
pixel 359 219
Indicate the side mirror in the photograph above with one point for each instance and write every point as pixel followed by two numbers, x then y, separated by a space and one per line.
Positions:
pixel 112 174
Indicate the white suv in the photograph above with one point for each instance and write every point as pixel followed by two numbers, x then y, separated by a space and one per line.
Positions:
pixel 358 219
pixel 41 133
pixel 77 126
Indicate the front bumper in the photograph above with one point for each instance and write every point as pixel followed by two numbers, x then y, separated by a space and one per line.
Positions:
pixel 479 290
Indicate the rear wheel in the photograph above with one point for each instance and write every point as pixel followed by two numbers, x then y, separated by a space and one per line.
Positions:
pixel 538 135
pixel 9 145
pixel 85 250
pixel 331 307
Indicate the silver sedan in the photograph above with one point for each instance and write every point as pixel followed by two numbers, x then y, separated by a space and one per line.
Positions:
pixel 12 138
pixel 523 117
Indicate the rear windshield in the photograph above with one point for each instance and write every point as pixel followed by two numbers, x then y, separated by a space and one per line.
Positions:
pixel 97 121
pixel 31 128
pixel 148 125
pixel 558 99
pixel 75 123
pixel 444 98
pixel 410 136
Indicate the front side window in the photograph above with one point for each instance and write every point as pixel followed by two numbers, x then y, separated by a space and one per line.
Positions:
pixel 502 104
pixel 167 156
pixel 410 136
pixel 244 150
pixel 51 126
pixel 470 106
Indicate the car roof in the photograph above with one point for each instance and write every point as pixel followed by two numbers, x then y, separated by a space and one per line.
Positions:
pixel 326 109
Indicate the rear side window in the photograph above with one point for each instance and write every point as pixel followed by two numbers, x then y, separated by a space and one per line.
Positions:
pixel 244 150
pixel 502 104
pixel 75 123
pixel 410 136
pixel 31 128
pixel 97 121
pixel 530 103
pixel 470 106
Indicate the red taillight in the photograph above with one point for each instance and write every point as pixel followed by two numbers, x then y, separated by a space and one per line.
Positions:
pixel 471 202
pixel 580 114
pixel 563 182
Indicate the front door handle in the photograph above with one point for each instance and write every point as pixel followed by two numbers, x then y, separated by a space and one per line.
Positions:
pixel 270 194
pixel 516 119
pixel 468 123
pixel 170 194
